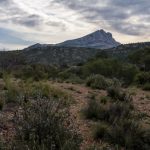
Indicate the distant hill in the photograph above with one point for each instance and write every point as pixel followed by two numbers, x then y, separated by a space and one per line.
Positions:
pixel 125 49
pixel 54 55
pixel 61 56
pixel 98 39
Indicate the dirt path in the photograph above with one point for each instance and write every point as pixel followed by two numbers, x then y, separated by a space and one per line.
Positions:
pixel 80 94
pixel 141 101
pixel 7 127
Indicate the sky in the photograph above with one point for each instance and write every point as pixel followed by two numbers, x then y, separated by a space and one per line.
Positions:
pixel 26 22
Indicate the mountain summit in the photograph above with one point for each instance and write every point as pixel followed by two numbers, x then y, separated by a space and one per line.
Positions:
pixel 98 39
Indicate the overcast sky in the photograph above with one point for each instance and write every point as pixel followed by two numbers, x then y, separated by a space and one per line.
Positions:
pixel 25 22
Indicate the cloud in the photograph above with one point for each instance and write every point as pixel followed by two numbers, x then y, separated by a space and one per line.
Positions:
pixel 115 12
pixel 54 21
pixel 29 21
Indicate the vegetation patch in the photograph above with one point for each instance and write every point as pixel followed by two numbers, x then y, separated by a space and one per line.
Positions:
pixel 117 123
pixel 97 82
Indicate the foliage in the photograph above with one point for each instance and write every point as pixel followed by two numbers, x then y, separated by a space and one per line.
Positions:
pixel 2 102
pixel 97 82
pixel 44 123
pixel 142 78
pixel 117 94
pixel 146 87
pixel 12 90
pixel 100 131
pixel 141 58
pixel 116 121
pixel 111 68
pixel 36 71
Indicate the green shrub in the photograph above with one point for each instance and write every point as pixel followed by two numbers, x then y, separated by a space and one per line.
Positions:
pixel 45 124
pixel 100 131
pixel 97 82
pixel 48 91
pixel 146 87
pixel 2 102
pixel 117 111
pixel 117 94
pixel 1 74
pixel 128 73
pixel 74 79
pixel 65 75
pixel 128 134
pixel 116 82
pixel 104 99
pixel 12 92
pixel 110 68
pixel 141 58
pixel 142 78
pixel 124 133
pixel 107 112
pixel 94 110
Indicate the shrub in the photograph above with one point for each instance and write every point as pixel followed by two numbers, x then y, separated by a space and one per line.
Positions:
pixel 116 82
pixel 100 131
pixel 1 103
pixel 104 99
pixel 48 91
pixel 146 87
pixel 43 124
pixel 94 110
pixel 117 111
pixel 1 74
pixel 97 82
pixel 65 75
pixel 128 73
pixel 117 94
pixel 36 72
pixel 2 85
pixel 128 134
pixel 74 79
pixel 105 66
pixel 142 78
pixel 124 133
pixel 107 112
pixel 12 91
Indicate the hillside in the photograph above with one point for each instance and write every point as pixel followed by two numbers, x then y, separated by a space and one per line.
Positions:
pixel 62 56
pixel 53 55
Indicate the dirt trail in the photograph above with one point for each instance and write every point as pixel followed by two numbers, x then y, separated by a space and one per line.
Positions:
pixel 142 101
pixel 7 127
pixel 80 94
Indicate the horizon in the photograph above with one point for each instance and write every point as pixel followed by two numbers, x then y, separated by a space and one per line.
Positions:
pixel 53 21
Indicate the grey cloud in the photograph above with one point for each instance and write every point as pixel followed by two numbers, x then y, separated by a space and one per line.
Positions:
pixel 115 13
pixel 57 24
pixel 29 21
pixel 4 2
pixel 128 28
pixel 8 9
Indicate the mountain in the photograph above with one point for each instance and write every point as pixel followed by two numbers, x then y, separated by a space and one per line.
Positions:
pixel 98 39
